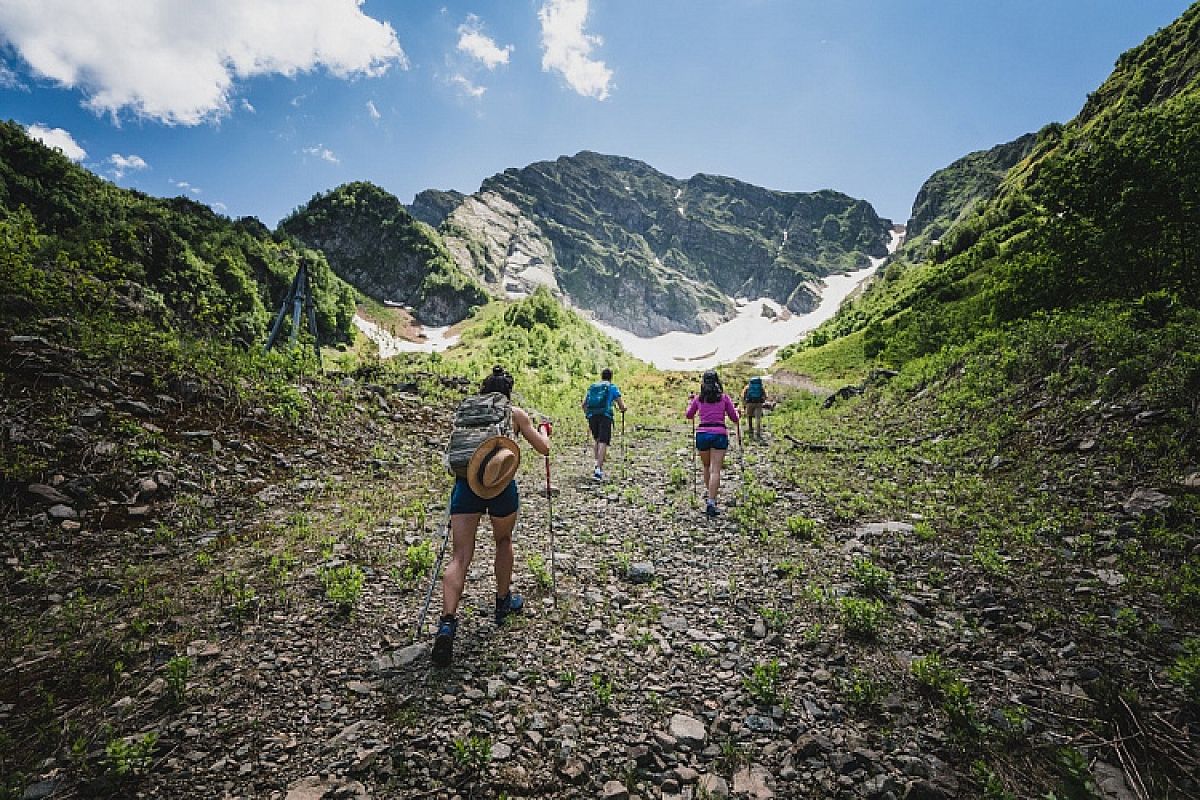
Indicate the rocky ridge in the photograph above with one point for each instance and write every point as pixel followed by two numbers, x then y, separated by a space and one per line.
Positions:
pixel 651 253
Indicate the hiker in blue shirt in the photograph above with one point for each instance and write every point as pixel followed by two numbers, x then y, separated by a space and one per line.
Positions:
pixel 598 405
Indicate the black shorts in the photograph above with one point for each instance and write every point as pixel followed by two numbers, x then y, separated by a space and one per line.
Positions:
pixel 601 427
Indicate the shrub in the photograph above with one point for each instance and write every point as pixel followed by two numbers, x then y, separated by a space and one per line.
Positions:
pixel 861 618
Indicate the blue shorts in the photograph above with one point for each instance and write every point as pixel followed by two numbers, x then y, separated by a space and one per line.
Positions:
pixel 712 441
pixel 465 501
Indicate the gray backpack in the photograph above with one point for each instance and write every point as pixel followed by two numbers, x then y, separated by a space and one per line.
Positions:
pixel 477 419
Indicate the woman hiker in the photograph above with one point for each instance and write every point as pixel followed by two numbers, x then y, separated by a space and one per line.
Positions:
pixel 712 440
pixel 489 486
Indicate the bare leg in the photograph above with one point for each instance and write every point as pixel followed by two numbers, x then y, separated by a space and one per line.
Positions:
pixel 705 459
pixel 502 529
pixel 714 474
pixel 462 532
pixel 601 452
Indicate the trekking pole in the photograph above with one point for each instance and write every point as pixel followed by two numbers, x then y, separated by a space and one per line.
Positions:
pixel 437 568
pixel 550 525
pixel 550 521
pixel 741 451
pixel 695 458
pixel 624 447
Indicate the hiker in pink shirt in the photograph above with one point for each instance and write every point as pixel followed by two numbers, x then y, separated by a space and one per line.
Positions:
pixel 712 439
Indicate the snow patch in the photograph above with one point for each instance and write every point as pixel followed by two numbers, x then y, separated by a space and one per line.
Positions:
pixel 433 340
pixel 749 330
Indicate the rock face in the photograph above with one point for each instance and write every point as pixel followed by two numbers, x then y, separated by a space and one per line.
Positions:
pixel 953 191
pixel 651 253
pixel 372 242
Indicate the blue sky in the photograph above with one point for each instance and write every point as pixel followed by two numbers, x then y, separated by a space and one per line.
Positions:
pixel 254 106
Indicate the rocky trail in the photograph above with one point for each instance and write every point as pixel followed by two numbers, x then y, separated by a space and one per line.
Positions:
pixel 803 644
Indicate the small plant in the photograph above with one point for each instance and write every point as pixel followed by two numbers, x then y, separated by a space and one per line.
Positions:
pixel 988 559
pixel 775 618
pixel 871 578
pixel 864 692
pixel 931 675
pixel 861 618
pixel 763 683
pixel 418 560
pixel 343 585
pixel 1186 670
pixel 472 753
pixel 567 677
pixel 790 569
pixel 176 673
pixel 126 758
pixel 924 532
pixel 964 721
pixel 541 574
pixel 802 528
pixel 753 511
pixel 993 787
pixel 602 691
pixel 677 477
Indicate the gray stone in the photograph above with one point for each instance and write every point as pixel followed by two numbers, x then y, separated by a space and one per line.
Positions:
pixel 1145 501
pixel 641 572
pixel 61 511
pixel 614 790
pixel 1111 782
pixel 47 494
pixel 752 781
pixel 688 731
pixel 713 786
pixel 39 790
pixel 501 751
pixel 137 408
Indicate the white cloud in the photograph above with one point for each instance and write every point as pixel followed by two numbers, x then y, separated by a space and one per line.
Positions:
pixel 121 164
pixel 9 79
pixel 566 48
pixel 483 48
pixel 219 206
pixel 323 153
pixel 58 139
pixel 372 110
pixel 246 106
pixel 467 87
pixel 176 61
pixel 187 187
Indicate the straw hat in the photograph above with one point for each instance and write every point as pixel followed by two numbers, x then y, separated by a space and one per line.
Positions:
pixel 492 466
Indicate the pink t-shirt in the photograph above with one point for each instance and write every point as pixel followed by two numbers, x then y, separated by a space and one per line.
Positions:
pixel 712 415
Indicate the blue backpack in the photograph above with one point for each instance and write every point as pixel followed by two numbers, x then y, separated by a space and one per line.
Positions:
pixel 597 398
pixel 755 393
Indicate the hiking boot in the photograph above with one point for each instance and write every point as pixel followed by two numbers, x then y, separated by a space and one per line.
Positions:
pixel 443 641
pixel 509 604
pixel 710 508
pixel 598 474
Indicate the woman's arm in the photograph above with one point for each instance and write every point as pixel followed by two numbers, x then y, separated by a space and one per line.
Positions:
pixel 693 407
pixel 525 426
pixel 731 409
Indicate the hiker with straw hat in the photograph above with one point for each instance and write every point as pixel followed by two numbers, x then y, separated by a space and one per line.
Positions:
pixel 486 485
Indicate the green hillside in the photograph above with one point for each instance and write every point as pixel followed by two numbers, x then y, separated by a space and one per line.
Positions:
pixel 1102 209
pixel 373 242
pixel 75 240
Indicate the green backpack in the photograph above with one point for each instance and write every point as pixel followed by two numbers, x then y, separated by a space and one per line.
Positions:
pixel 755 393
pixel 477 419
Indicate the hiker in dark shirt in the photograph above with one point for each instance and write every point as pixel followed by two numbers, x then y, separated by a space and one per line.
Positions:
pixel 754 398
pixel 598 404
pixel 489 487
